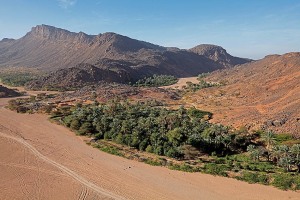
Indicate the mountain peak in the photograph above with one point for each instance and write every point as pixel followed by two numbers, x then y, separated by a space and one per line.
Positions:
pixel 7 40
pixel 47 31
pixel 218 54
pixel 52 33
pixel 208 49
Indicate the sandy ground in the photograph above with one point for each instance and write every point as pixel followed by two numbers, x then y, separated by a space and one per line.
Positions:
pixel 42 160
pixel 182 82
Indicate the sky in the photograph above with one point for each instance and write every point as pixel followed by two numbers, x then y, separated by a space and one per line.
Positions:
pixel 245 28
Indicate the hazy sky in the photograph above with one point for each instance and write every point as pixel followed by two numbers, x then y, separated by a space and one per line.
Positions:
pixel 246 28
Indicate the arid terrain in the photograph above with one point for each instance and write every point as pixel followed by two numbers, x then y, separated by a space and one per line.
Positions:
pixel 42 160
pixel 262 94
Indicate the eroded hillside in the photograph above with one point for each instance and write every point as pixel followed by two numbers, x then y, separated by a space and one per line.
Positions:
pixel 261 94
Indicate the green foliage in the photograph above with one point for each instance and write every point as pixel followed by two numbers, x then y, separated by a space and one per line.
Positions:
pixel 203 75
pixel 110 150
pixel 153 162
pixel 269 139
pixel 283 138
pixel 193 87
pixel 193 112
pixel 157 81
pixel 181 133
pixel 283 181
pixel 216 169
pixel 75 123
pixel 182 167
pixel 251 177
pixel 16 79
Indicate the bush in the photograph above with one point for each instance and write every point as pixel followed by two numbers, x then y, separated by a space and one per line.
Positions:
pixel 157 81
pixel 110 150
pixel 251 177
pixel 172 153
pixel 153 162
pixel 297 182
pixel 182 167
pixel 75 124
pixel 149 149
pixel 214 169
pixel 283 181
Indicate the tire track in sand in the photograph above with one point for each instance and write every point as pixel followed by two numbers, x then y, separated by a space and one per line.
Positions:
pixel 66 170
pixel 83 194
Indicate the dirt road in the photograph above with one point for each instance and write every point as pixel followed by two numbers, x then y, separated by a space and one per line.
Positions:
pixel 42 160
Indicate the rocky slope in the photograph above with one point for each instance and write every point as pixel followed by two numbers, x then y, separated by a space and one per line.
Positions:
pixel 78 76
pixel 262 94
pixel 5 92
pixel 219 55
pixel 49 48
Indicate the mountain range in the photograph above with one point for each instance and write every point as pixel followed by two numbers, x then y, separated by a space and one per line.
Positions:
pixel 48 48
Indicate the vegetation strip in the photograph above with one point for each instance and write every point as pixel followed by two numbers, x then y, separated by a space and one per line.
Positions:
pixel 184 140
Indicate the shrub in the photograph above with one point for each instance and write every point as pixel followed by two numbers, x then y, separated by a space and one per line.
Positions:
pixel 251 177
pixel 153 162
pixel 156 81
pixel 75 124
pixel 283 181
pixel 182 167
pixel 110 150
pixel 149 149
pixel 214 169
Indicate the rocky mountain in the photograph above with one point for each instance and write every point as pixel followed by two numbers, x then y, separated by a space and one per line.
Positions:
pixel 219 55
pixel 49 48
pixel 264 94
pixel 5 92
pixel 78 76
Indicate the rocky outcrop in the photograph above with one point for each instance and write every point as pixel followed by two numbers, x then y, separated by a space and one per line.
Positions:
pixel 5 92
pixel 219 55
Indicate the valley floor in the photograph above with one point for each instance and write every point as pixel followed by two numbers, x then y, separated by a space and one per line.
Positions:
pixel 42 160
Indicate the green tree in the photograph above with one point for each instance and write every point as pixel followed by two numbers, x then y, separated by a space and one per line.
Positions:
pixel 75 124
pixel 269 139
pixel 295 151
pixel 175 136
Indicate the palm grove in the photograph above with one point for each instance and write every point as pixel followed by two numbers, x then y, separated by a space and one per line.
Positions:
pixel 156 129
pixel 149 126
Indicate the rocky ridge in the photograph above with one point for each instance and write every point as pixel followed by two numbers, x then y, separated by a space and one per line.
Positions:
pixel 48 48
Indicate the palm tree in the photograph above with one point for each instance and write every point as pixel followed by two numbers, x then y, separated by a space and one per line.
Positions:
pixel 276 153
pixel 269 139
pixel 295 150
pixel 285 162
pixel 285 150
pixel 254 152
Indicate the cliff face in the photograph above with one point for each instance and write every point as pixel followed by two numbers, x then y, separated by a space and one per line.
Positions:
pixel 45 32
